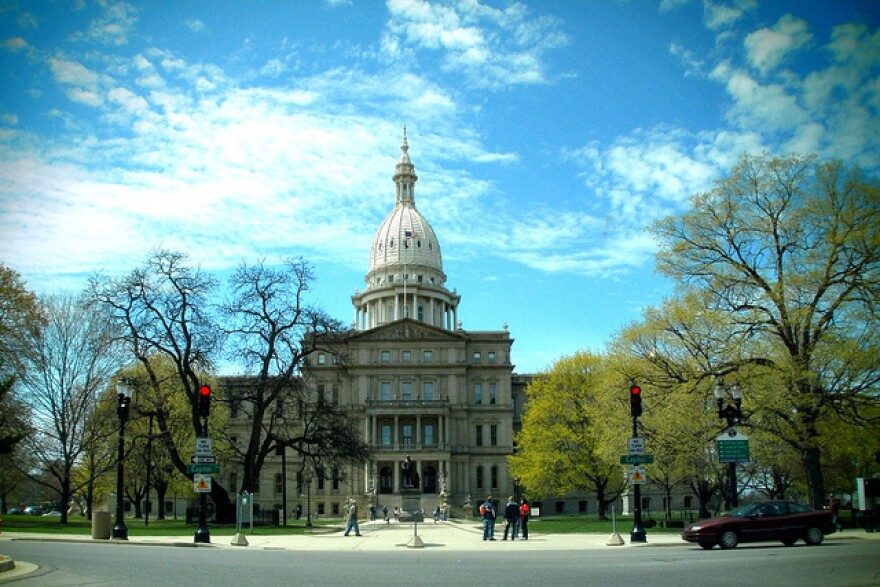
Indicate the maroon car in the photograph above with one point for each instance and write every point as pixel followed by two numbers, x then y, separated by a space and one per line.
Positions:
pixel 760 522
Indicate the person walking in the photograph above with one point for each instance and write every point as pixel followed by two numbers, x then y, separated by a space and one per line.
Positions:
pixel 487 510
pixel 372 512
pixel 524 513
pixel 511 515
pixel 352 519
pixel 385 513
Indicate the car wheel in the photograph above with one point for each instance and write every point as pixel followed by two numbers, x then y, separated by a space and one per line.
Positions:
pixel 789 542
pixel 707 545
pixel 813 536
pixel 728 539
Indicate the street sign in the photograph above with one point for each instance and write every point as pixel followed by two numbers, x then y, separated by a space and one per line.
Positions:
pixel 636 446
pixel 732 447
pixel 637 475
pixel 636 459
pixel 203 460
pixel 202 483
pixel 203 469
pixel 203 446
pixel 733 451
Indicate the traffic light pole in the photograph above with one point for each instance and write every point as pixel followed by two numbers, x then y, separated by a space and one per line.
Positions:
pixel 638 532
pixel 202 535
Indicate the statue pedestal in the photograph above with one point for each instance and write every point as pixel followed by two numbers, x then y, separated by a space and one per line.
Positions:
pixel 411 501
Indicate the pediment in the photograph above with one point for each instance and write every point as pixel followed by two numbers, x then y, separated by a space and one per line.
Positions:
pixel 407 329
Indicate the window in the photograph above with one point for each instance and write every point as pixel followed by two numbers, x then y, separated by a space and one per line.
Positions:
pixel 406 356
pixel 385 434
pixel 493 393
pixel 560 507
pixel 321 394
pixel 494 476
pixel 479 477
pixel 490 357
pixel 278 485
pixel 582 506
pixel 429 435
pixel 478 393
pixel 427 356
pixel 321 508
pixel 385 356
pixel 322 359
pixel 385 391
pixel 493 435
pixel 335 478
pixel 479 432
pixel 335 509
pixel 334 397
pixel 406 390
pixel 477 356
pixel 407 434
pixel 688 501
pixel 428 390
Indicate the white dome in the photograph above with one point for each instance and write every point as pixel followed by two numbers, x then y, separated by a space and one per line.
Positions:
pixel 405 237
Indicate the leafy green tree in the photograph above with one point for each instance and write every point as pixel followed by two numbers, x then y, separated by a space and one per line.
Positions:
pixel 570 428
pixel 789 250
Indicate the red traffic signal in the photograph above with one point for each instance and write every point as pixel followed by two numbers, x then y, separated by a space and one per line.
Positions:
pixel 204 400
pixel 635 400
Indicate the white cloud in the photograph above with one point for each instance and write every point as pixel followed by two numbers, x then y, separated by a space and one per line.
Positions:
pixel 113 26
pixel 491 47
pixel 767 48
pixel 719 15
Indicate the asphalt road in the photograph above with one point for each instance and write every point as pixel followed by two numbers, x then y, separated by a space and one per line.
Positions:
pixel 851 562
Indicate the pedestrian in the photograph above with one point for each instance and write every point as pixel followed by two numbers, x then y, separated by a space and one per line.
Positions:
pixel 834 506
pixel 436 514
pixel 372 512
pixel 487 510
pixel 385 513
pixel 524 513
pixel 511 515
pixel 396 514
pixel 352 519
pixel 299 511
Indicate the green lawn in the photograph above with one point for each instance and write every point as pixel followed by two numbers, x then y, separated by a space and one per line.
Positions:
pixel 136 527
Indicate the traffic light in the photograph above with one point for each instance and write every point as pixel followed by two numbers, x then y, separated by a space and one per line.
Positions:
pixel 204 400
pixel 635 400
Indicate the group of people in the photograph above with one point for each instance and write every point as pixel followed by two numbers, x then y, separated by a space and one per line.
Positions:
pixel 516 518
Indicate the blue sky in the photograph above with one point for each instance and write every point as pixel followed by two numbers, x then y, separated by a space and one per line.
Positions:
pixel 546 134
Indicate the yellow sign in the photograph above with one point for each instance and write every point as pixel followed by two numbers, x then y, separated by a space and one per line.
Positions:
pixel 637 475
pixel 202 483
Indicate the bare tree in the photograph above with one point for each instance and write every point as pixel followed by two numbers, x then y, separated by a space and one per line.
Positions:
pixel 163 310
pixel 271 330
pixel 62 369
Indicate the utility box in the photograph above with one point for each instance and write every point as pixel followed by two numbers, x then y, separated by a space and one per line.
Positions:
pixel 101 526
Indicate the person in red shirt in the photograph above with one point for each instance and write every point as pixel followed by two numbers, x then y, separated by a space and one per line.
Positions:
pixel 524 513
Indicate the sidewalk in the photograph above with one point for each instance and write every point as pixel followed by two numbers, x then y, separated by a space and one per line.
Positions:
pixel 452 535
pixel 379 536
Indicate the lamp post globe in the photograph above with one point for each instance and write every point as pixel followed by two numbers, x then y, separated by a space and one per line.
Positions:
pixel 124 391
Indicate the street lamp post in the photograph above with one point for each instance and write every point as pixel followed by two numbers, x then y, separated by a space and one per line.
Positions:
pixel 516 489
pixel 309 501
pixel 732 413
pixel 124 390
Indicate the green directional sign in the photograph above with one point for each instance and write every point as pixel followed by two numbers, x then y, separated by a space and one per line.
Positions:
pixel 636 459
pixel 733 451
pixel 203 469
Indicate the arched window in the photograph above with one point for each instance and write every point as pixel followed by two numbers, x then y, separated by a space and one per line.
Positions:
pixel 494 476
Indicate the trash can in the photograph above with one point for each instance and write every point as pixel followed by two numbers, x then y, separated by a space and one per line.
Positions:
pixel 101 527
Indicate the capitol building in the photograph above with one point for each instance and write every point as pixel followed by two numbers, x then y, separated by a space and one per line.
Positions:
pixel 417 383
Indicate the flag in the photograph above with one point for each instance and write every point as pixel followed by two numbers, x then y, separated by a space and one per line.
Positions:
pixel 408 234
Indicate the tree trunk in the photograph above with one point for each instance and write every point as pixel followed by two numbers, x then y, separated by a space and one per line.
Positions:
pixel 815 480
